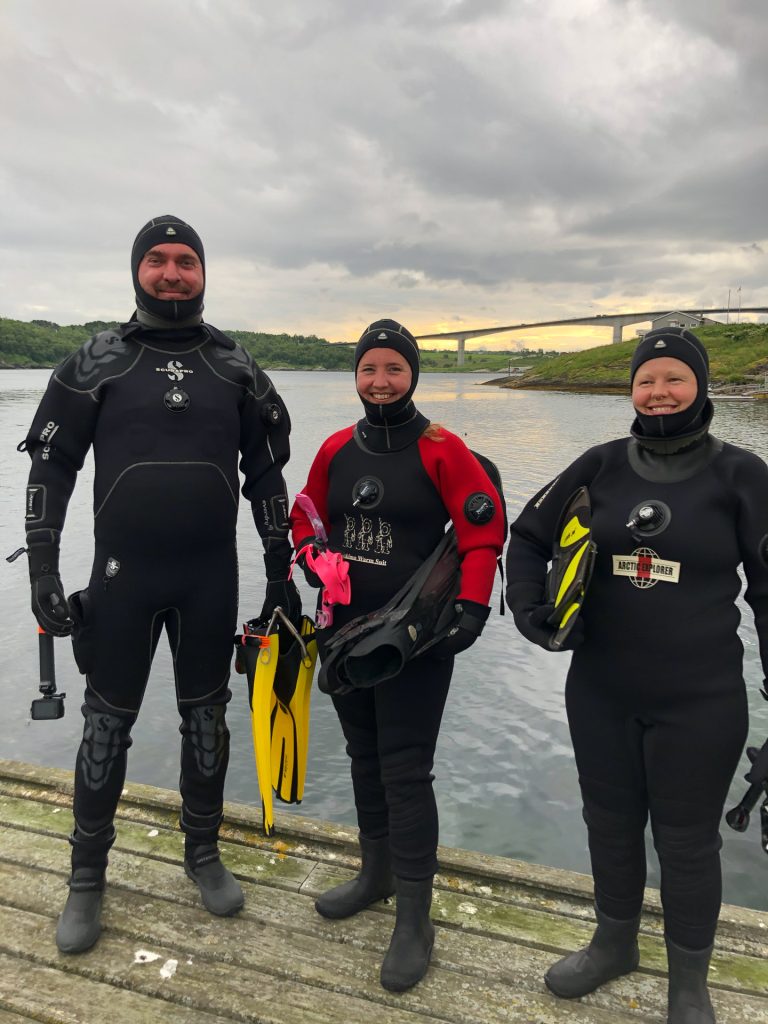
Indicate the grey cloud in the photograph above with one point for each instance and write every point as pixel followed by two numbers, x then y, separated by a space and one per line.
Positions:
pixel 343 150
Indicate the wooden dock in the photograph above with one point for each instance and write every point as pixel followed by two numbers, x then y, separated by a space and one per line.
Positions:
pixel 162 958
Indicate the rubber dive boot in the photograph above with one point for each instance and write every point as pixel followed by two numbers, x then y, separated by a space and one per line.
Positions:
pixel 374 882
pixel 689 1001
pixel 410 949
pixel 80 921
pixel 219 889
pixel 612 952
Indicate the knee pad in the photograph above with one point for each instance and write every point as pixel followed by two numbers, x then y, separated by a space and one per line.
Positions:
pixel 105 739
pixel 205 729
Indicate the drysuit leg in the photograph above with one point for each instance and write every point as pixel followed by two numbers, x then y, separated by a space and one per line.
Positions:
pixel 691 755
pixel 100 769
pixel 204 760
pixel 391 734
pixel 608 746
pixel 116 643
pixel 200 634
pixel 357 716
pixel 616 838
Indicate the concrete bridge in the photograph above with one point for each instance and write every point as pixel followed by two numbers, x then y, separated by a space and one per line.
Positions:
pixel 617 321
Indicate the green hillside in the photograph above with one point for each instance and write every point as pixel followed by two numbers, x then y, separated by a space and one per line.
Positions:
pixel 738 355
pixel 42 344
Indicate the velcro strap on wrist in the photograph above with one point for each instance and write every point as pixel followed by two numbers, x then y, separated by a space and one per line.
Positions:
pixel 472 619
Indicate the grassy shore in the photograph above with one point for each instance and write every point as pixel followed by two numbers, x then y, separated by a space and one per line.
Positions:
pixel 738 356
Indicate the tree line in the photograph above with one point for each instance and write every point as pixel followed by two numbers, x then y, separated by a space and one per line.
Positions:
pixel 41 343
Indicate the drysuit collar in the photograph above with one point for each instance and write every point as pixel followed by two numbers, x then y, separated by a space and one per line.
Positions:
pixel 381 434
pixel 147 319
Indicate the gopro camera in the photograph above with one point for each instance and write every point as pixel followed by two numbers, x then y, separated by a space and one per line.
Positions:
pixel 47 708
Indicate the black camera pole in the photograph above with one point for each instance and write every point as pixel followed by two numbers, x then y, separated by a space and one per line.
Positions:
pixel 757 777
pixel 51 704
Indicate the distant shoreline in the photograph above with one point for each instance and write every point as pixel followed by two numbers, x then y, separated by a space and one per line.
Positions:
pixel 573 389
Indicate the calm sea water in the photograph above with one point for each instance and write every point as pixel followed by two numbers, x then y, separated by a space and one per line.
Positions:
pixel 505 776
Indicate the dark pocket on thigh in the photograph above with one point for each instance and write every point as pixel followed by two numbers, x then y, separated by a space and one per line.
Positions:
pixel 82 631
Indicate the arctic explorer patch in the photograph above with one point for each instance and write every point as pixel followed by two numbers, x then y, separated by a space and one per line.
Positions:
pixel 645 569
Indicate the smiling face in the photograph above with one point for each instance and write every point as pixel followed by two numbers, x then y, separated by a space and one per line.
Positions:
pixel 383 376
pixel 171 271
pixel 664 386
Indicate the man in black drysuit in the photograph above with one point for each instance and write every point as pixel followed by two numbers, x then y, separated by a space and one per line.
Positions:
pixel 167 402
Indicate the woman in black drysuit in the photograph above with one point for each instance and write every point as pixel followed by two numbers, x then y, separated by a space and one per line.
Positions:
pixel 655 695
pixel 385 489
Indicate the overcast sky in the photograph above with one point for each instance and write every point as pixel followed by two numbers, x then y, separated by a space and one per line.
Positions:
pixel 450 163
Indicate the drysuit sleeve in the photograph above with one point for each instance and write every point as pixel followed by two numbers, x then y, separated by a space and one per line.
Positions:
pixel 265 428
pixel 531 535
pixel 475 508
pixel 751 485
pixel 57 442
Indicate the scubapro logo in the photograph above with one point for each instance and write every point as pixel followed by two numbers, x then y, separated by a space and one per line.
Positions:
pixel 175 370
pixel 645 569
pixel 48 430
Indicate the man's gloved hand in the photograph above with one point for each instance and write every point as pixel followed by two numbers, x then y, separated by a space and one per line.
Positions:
pixel 531 613
pixel 282 593
pixel 470 620
pixel 49 604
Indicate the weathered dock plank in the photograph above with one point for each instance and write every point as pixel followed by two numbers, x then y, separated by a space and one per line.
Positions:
pixel 9 1017
pixel 59 997
pixel 500 923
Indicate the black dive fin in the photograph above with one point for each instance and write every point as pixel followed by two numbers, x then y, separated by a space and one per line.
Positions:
pixel 375 647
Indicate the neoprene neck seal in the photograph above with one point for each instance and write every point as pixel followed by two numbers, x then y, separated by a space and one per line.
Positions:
pixel 393 433
pixel 671 444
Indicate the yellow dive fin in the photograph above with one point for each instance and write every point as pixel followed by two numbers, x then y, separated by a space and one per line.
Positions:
pixel 573 557
pixel 290 713
pixel 279 662
pixel 257 655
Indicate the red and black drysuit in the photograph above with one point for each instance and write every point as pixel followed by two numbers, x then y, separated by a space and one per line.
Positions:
pixel 168 412
pixel 420 485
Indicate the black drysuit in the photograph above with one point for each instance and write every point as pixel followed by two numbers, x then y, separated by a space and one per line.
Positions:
pixel 167 413
pixel 655 694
